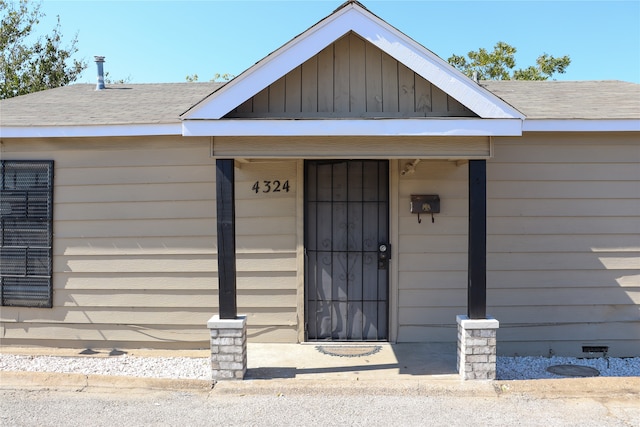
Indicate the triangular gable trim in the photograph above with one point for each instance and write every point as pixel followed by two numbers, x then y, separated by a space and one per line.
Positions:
pixel 352 17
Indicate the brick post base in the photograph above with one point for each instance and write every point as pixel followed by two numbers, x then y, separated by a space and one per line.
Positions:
pixel 228 348
pixel 477 348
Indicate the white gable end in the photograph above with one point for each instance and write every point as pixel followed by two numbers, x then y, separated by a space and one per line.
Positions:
pixel 352 17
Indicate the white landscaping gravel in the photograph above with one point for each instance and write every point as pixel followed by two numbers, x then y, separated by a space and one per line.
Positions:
pixel 148 367
pixel 530 368
pixel 508 368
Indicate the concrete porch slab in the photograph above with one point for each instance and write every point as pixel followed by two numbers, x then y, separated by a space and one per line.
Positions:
pixel 389 361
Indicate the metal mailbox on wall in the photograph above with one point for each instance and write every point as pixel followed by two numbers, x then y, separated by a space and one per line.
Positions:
pixel 425 204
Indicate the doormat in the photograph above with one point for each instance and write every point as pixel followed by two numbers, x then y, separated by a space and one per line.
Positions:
pixel 348 351
pixel 573 371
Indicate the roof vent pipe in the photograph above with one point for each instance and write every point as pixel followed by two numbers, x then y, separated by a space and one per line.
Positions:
pixel 99 62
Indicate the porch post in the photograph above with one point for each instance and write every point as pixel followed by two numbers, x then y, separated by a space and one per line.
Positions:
pixel 228 330
pixel 226 213
pixel 476 330
pixel 477 270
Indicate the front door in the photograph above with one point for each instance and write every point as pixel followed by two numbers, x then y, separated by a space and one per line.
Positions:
pixel 347 250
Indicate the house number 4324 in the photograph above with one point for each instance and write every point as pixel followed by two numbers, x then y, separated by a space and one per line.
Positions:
pixel 275 186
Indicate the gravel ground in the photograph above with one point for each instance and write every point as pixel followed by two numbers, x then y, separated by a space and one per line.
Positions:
pixel 148 367
pixel 508 368
pixel 531 368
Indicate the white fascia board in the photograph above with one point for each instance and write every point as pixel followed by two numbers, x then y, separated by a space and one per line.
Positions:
pixel 581 126
pixel 271 68
pixel 381 127
pixel 376 31
pixel 90 131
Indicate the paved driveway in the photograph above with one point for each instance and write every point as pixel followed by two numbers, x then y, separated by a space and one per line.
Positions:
pixel 346 406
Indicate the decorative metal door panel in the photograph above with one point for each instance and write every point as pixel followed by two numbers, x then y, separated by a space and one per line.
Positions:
pixel 346 248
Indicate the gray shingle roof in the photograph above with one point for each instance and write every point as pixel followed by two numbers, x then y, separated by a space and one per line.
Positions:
pixel 588 100
pixel 125 104
pixel 162 103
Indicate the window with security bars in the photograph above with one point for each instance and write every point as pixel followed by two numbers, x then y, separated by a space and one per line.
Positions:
pixel 26 230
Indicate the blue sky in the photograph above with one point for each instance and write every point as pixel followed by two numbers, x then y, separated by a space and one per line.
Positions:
pixel 164 41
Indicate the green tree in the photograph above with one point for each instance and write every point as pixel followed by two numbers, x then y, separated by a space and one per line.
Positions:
pixel 112 81
pixel 29 63
pixel 191 78
pixel 500 63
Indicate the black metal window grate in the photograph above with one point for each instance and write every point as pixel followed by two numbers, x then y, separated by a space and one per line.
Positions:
pixel 26 230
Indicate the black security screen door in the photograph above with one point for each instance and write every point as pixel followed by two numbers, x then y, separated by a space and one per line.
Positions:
pixel 347 250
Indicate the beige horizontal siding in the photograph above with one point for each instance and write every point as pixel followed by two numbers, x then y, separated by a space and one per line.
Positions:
pixel 563 245
pixel 129 175
pixel 432 257
pixel 149 192
pixel 565 314
pixel 439 297
pixel 167 245
pixel 590 243
pixel 568 149
pixel 548 170
pixel 169 227
pixel 170 245
pixel 170 263
pixel 527 225
pixel 148 316
pixel 76 335
pixel 433 262
pixel 134 210
pixel 564 242
pixel 580 332
pixel 540 189
pixel 176 281
pixel 417 279
pixel 135 238
pixel 168 299
pixel 140 227
pixel 107 334
pixel 427 332
pixel 517 279
pixel 135 251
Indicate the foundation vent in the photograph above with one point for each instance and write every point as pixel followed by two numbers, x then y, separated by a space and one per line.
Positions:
pixel 591 349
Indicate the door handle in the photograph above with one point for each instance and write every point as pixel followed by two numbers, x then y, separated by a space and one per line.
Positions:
pixel 384 255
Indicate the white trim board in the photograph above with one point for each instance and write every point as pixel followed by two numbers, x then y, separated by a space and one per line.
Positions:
pixel 348 127
pixel 91 131
pixel 581 125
